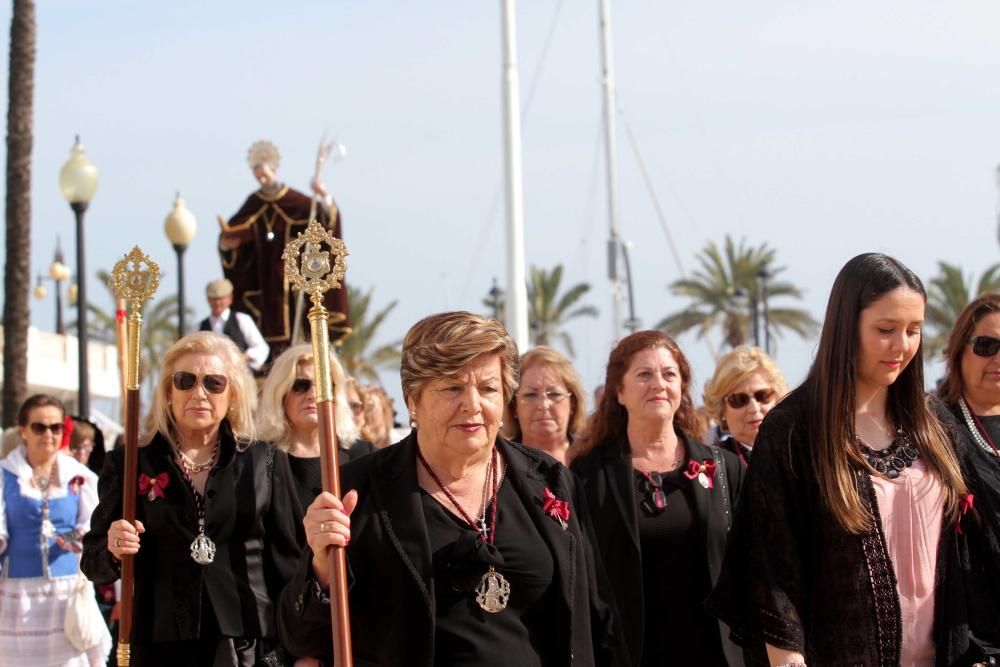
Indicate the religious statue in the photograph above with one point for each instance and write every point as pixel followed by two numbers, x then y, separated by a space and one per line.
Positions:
pixel 252 241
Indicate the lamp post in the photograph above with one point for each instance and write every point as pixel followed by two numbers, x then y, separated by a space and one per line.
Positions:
pixel 58 273
pixel 495 295
pixel 764 275
pixel 78 182
pixel 180 227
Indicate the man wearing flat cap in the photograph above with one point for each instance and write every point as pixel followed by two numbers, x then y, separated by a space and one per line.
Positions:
pixel 237 326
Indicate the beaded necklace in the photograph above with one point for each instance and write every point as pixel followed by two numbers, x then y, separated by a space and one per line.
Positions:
pixel 979 433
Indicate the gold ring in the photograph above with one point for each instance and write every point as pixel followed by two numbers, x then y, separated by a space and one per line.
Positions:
pixel 324 527
pixel 118 542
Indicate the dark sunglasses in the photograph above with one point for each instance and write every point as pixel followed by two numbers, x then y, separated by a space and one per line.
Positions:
pixel 301 385
pixel 40 429
pixel 984 346
pixel 213 383
pixel 742 399
pixel 654 500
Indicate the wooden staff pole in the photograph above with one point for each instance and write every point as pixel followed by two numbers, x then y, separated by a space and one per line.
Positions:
pixel 135 286
pixel 314 272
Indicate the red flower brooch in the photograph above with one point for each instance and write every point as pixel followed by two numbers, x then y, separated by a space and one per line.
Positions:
pixel 704 472
pixel 75 484
pixel 152 487
pixel 555 508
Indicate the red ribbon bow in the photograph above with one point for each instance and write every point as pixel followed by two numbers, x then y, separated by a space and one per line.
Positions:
pixel 75 484
pixel 68 426
pixel 707 467
pixel 153 487
pixel 965 503
pixel 555 508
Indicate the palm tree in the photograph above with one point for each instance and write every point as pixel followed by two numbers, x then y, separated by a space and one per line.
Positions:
pixel 17 271
pixel 548 311
pixel 354 355
pixel 723 292
pixel 948 293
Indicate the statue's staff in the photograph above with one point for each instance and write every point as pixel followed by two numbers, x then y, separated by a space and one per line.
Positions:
pixel 323 152
pixel 134 279
pixel 315 271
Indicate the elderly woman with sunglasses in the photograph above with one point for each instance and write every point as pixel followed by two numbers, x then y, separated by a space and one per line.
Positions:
pixel 218 524
pixel 46 500
pixel 548 411
pixel 288 417
pixel 661 503
pixel 465 549
pixel 746 385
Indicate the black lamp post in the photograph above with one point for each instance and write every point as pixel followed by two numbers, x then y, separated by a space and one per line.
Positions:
pixel 58 273
pixel 496 294
pixel 78 182
pixel 180 227
pixel 764 275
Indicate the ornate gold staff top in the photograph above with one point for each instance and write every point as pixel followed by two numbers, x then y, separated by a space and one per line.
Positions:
pixel 314 271
pixel 134 280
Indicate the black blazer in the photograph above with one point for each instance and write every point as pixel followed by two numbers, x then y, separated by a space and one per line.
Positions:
pixel 606 476
pixel 392 589
pixel 253 517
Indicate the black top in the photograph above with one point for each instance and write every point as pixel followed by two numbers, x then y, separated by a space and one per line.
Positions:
pixel 795 579
pixel 678 630
pixel 467 635
pixel 308 472
pixel 742 452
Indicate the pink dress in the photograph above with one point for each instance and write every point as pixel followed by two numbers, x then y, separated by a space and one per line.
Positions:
pixel 912 508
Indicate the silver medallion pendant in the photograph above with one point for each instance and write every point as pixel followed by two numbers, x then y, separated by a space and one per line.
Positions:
pixel 203 549
pixel 48 530
pixel 493 592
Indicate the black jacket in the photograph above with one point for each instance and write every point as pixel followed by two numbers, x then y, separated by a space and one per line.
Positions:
pixel 606 474
pixel 253 517
pixel 392 589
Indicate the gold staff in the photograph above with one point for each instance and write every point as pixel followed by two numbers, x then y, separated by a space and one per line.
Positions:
pixel 134 284
pixel 315 271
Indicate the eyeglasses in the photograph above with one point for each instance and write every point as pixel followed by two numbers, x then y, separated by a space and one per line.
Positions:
pixel 212 382
pixel 742 399
pixel 533 397
pixel 357 407
pixel 40 429
pixel 984 346
pixel 655 501
pixel 301 385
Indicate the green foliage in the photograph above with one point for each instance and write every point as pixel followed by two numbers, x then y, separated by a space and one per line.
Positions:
pixel 720 291
pixel 358 361
pixel 549 311
pixel 948 293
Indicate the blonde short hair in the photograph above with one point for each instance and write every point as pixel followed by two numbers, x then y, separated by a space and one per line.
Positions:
pixel 241 390
pixel 272 422
pixel 563 369
pixel 441 345
pixel 733 368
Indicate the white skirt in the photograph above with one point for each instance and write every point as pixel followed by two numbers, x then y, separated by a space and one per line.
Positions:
pixel 32 625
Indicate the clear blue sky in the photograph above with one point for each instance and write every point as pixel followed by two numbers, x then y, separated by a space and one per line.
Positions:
pixel 823 130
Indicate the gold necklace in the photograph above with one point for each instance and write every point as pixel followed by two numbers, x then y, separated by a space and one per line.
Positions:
pixel 193 467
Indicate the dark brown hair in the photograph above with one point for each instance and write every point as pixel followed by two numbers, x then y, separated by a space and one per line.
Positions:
pixel 976 310
pixel 38 401
pixel 831 395
pixel 609 422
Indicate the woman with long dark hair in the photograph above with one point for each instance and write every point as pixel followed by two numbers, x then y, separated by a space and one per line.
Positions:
pixel 854 542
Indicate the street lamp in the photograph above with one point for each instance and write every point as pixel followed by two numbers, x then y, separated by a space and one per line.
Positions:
pixel 764 275
pixel 496 294
pixel 180 227
pixel 58 273
pixel 78 182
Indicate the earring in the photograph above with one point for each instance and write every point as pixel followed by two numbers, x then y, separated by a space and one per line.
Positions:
pixel 413 420
pixel 501 423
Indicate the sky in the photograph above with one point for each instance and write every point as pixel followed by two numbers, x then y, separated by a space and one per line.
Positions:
pixel 822 129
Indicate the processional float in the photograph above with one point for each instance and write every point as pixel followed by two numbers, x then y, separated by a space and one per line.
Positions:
pixel 314 271
pixel 134 281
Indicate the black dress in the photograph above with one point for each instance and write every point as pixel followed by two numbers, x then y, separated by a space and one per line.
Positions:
pixel 308 472
pixel 675 574
pixel 466 635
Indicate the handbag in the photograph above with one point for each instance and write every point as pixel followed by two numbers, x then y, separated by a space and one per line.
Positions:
pixel 85 626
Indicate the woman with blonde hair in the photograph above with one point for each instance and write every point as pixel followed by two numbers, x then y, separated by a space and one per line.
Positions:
pixel 217 526
pixel 465 549
pixel 746 385
pixel 856 540
pixel 289 419
pixel 548 411
pixel 378 417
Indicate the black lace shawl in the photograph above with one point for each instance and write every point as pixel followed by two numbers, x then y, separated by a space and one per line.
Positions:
pixel 794 579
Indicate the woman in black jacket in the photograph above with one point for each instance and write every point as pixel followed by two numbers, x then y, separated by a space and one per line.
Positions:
pixel 465 549
pixel 661 504
pixel 217 521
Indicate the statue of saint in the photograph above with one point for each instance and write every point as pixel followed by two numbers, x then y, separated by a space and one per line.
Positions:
pixel 251 244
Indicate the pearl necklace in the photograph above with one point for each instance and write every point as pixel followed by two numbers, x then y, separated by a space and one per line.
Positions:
pixel 977 435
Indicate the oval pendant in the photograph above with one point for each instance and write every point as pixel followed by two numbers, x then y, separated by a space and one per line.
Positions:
pixel 203 549
pixel 48 529
pixel 270 236
pixel 493 592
